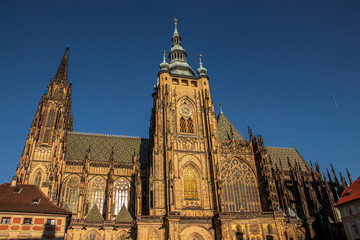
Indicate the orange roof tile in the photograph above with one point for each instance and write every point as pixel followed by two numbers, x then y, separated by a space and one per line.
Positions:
pixel 27 198
pixel 350 194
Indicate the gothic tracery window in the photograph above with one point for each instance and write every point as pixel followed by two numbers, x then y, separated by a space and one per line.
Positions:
pixel 50 119
pixel 71 193
pixel 190 183
pixel 190 126
pixel 37 181
pixel 97 193
pixel 46 136
pixel 182 125
pixel 56 93
pixel 240 189
pixel 121 194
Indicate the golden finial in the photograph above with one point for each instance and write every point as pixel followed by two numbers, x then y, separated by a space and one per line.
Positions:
pixel 164 52
pixel 176 20
pixel 200 59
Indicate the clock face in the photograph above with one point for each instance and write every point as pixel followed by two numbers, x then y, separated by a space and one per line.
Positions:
pixel 185 110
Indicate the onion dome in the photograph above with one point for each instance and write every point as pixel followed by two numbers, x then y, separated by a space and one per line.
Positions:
pixel 164 65
pixel 201 71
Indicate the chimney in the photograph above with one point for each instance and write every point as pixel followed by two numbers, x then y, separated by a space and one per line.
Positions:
pixel 14 181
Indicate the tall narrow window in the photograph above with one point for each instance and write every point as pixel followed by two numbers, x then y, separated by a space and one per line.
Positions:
pixel 121 194
pixel 71 193
pixel 56 93
pixel 37 181
pixel 46 136
pixel 190 183
pixel 240 187
pixel 190 125
pixel 50 119
pixel 97 193
pixel 182 125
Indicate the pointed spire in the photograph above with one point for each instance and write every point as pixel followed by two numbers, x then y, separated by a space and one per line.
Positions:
pixel 329 176
pixel 349 176
pixel 177 55
pixel 61 74
pixel 312 167
pixel 221 110
pixel 343 181
pixel 176 31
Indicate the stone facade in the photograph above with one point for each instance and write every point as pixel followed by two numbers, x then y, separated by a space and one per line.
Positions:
pixel 196 177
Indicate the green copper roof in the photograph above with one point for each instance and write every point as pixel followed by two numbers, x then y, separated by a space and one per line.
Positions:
pixel 224 129
pixel 123 215
pixel 278 154
pixel 94 215
pixel 101 146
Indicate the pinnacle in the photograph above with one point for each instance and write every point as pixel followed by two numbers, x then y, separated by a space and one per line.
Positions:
pixel 61 74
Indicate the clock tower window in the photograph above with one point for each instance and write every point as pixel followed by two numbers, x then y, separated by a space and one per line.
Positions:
pixel 182 125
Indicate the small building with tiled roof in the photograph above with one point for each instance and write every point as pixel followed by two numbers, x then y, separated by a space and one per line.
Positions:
pixel 26 213
pixel 349 207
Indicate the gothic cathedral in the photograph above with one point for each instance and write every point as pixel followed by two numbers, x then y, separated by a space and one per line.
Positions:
pixel 196 177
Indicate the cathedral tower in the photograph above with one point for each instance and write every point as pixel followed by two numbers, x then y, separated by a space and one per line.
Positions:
pixel 41 162
pixel 183 135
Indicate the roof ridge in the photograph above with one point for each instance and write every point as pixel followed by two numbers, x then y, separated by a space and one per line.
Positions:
pixel 280 147
pixel 105 134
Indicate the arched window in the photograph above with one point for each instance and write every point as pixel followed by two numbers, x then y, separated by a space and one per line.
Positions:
pixel 97 193
pixel 50 119
pixel 240 189
pixel 269 229
pixel 182 125
pixel 56 93
pixel 190 183
pixel 92 235
pixel 70 194
pixel 121 194
pixel 46 136
pixel 190 125
pixel 37 181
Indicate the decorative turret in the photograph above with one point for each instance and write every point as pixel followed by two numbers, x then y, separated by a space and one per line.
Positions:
pixel 201 71
pixel 164 65
pixel 177 56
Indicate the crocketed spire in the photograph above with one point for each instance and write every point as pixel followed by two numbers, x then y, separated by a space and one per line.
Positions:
pixel 61 74
pixel 177 56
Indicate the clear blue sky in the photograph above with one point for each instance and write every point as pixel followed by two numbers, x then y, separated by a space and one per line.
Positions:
pixel 276 66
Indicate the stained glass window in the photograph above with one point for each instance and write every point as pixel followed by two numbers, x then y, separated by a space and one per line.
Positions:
pixel 97 193
pixel 182 125
pixel 121 194
pixel 190 183
pixel 240 191
pixel 37 181
pixel 71 193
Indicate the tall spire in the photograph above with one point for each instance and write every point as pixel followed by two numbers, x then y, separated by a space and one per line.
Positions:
pixel 177 55
pixel 61 74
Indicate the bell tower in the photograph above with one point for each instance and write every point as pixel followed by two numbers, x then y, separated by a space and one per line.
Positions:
pixel 42 160
pixel 183 140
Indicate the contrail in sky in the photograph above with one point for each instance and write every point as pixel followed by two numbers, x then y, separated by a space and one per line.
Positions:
pixel 332 92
